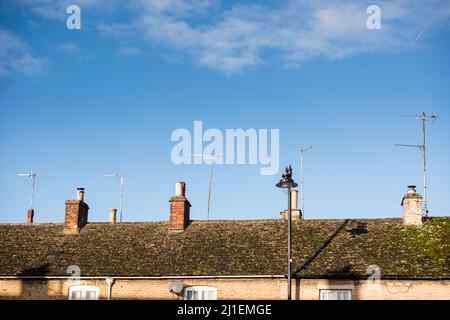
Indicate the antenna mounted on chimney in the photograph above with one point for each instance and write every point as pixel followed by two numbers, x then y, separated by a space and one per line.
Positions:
pixel 32 176
pixel 302 151
pixel 424 118
pixel 120 177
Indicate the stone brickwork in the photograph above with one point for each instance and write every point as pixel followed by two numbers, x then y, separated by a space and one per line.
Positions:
pixel 232 289
pixel 412 208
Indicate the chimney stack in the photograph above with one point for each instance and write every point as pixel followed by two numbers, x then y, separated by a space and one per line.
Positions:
pixel 76 213
pixel 296 212
pixel 30 216
pixel 179 209
pixel 112 216
pixel 412 207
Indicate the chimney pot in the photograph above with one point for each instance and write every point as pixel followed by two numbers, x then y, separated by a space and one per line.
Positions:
pixel 80 194
pixel 30 216
pixel 180 189
pixel 296 212
pixel 179 209
pixel 294 199
pixel 112 215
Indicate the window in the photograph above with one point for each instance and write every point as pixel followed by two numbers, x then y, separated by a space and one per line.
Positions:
pixel 83 293
pixel 200 293
pixel 335 294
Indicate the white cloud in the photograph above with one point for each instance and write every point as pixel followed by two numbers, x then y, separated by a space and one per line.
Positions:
pixel 56 9
pixel 232 37
pixel 70 48
pixel 293 33
pixel 128 51
pixel 16 56
pixel 74 51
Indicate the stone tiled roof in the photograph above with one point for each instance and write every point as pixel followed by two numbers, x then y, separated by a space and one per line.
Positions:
pixel 321 249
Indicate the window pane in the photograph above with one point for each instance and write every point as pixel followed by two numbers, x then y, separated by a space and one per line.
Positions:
pixel 91 295
pixel 76 295
pixel 335 294
pixel 200 293
pixel 83 293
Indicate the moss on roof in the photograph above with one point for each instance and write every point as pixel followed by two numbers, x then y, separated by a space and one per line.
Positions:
pixel 321 249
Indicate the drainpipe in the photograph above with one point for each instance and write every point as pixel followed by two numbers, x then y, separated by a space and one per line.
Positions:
pixel 109 282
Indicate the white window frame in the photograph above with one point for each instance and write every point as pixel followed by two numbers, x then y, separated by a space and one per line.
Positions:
pixel 334 294
pixel 200 292
pixel 83 291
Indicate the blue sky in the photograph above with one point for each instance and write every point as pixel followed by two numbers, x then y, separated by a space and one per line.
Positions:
pixel 76 104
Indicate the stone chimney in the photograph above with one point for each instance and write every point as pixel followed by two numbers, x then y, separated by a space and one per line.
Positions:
pixel 30 216
pixel 296 212
pixel 412 207
pixel 179 208
pixel 76 213
pixel 112 216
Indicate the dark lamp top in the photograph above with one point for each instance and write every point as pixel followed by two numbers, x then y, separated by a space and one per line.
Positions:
pixel 286 180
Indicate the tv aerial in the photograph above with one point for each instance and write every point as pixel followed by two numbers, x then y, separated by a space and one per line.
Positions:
pixel 32 176
pixel 424 118
pixel 213 159
pixel 119 177
pixel 301 150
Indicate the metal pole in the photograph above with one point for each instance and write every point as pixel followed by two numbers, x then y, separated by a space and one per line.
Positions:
pixel 209 191
pixel 424 164
pixel 301 183
pixel 32 192
pixel 121 197
pixel 289 243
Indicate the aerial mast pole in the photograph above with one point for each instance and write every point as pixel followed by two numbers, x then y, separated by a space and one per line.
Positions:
pixel 213 159
pixel 424 163
pixel 32 176
pixel 423 147
pixel 303 149
pixel 121 178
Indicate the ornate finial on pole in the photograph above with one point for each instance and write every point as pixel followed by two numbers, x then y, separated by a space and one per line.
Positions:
pixel 287 181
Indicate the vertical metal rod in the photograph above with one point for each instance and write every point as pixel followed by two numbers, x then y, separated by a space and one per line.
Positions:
pixel 32 191
pixel 425 188
pixel 121 197
pixel 302 197
pixel 289 275
pixel 209 191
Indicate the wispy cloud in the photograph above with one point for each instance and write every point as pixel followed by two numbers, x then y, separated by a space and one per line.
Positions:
pixel 232 37
pixel 74 51
pixel 16 56
pixel 292 33
pixel 128 51
pixel 70 48
pixel 56 9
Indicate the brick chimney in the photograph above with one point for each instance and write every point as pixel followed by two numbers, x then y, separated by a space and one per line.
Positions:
pixel 412 207
pixel 179 208
pixel 296 212
pixel 76 213
pixel 30 216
